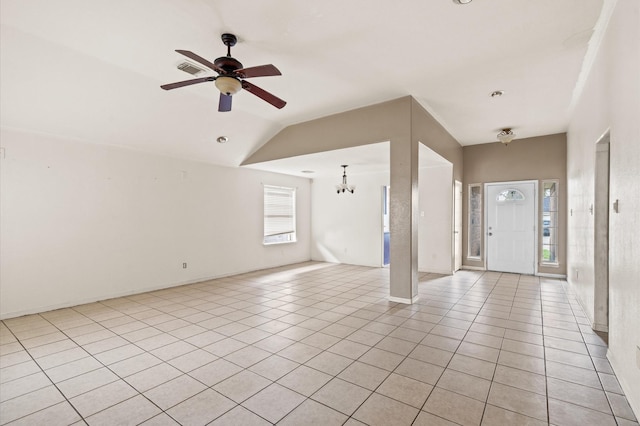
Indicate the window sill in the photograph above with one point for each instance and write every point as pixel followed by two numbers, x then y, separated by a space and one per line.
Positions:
pixel 277 243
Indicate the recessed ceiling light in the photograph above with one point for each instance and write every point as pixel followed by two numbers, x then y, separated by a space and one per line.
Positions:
pixel 497 93
pixel 222 139
pixel 462 1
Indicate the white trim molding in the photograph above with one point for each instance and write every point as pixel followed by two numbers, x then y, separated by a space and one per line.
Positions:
pixel 404 300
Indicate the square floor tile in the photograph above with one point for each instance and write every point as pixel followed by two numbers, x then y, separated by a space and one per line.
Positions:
pixel 520 401
pixel 103 397
pixel 342 396
pixel 428 419
pixel 621 407
pixel 201 408
pixel 521 379
pixel 454 407
pixel 422 371
pixel 564 413
pixel 132 411
pixel 248 356
pixel 240 416
pixel 329 363
pixel 364 375
pixel 215 372
pixel 23 385
pixel 382 359
pixel 473 366
pixel 522 362
pixel 464 384
pixel 174 391
pixel 312 413
pixel 496 416
pixel 299 352
pixel 153 376
pixel 395 345
pixel 431 355
pixel 224 347
pixel 242 386
pixel 305 380
pixel 405 389
pixel 29 403
pixel 274 367
pixel 569 373
pixel 274 343
pixel 577 394
pixel 383 411
pixel 274 402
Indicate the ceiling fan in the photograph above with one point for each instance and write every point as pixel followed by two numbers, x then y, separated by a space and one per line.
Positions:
pixel 231 76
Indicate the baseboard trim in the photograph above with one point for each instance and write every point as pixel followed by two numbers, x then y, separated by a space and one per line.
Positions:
pixel 600 327
pixel 473 268
pixel 83 301
pixel 404 300
pixel 624 384
pixel 545 275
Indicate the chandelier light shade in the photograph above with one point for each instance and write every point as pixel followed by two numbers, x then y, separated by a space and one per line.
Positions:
pixel 506 136
pixel 344 186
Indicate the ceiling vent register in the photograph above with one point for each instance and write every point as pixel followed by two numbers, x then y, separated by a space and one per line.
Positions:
pixel 189 68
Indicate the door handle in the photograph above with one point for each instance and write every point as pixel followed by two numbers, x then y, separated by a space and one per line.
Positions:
pixel 490 234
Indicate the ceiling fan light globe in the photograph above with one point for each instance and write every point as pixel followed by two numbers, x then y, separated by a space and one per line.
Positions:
pixel 228 85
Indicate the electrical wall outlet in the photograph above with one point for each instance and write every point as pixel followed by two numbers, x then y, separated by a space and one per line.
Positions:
pixel 184 265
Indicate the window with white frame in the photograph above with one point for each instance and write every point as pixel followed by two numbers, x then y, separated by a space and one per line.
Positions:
pixel 475 222
pixel 549 222
pixel 279 215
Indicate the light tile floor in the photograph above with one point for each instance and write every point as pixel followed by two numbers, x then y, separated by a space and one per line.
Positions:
pixel 315 343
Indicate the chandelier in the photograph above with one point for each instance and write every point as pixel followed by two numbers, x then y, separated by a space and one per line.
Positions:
pixel 344 186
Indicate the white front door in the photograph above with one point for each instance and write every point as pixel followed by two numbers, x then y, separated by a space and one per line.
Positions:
pixel 511 220
pixel 457 226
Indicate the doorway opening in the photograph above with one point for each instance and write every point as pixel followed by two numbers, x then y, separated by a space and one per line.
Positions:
pixel 600 211
pixel 386 239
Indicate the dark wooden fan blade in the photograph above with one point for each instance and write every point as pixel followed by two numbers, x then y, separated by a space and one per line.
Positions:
pixel 186 83
pixel 200 59
pixel 225 103
pixel 259 71
pixel 263 94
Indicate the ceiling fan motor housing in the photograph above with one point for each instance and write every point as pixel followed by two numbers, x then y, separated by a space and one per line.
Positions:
pixel 228 64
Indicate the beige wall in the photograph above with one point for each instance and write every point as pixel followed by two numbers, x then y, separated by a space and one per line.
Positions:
pixel 382 122
pixel 405 124
pixel 539 158
pixel 610 101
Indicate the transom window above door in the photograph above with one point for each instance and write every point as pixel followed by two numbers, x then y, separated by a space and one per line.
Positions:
pixel 510 195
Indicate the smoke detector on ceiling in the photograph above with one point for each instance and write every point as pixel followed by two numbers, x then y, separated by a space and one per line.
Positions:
pixel 190 68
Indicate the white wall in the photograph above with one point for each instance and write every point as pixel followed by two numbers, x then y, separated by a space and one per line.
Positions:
pixel 436 215
pixel 83 222
pixel 611 99
pixel 347 228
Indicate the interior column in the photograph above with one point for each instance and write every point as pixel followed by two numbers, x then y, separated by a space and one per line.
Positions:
pixel 403 220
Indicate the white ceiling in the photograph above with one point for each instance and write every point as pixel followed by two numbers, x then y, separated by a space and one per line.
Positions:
pixel 91 70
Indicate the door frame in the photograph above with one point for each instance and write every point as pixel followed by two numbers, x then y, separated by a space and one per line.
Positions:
pixel 535 220
pixel 600 212
pixel 457 224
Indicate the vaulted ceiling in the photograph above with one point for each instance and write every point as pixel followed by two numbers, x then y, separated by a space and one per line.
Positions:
pixel 91 70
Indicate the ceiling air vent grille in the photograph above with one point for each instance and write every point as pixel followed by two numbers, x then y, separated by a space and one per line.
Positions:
pixel 190 68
